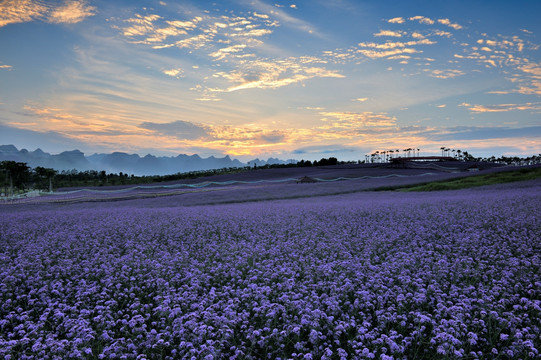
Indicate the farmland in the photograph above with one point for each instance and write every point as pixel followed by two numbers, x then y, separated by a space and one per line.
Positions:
pixel 241 272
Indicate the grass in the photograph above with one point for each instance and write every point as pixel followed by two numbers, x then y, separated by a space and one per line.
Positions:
pixel 473 181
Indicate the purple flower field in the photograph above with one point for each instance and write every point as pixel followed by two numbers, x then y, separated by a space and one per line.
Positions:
pixel 442 275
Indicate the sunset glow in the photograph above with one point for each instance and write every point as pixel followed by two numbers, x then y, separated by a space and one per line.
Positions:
pixel 255 78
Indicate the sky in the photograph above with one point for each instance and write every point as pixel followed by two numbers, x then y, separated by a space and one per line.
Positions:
pixel 281 78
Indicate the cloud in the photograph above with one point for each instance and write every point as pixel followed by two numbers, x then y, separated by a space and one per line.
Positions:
pixel 284 18
pixel 263 74
pixel 203 33
pixel 8 67
pixel 15 11
pixel 503 107
pixel 422 20
pixel 508 53
pixel 448 23
pixel 397 44
pixel 70 12
pixel 396 20
pixel 222 53
pixel 183 130
pixel 176 73
pixel 391 49
pixel 531 84
pixel 262 16
pixel 442 33
pixel 153 32
pixel 251 33
pixel 355 120
pixel 374 54
pixel 389 33
pixel 445 74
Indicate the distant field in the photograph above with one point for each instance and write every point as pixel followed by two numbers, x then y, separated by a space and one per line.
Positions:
pixel 261 185
pixel 478 180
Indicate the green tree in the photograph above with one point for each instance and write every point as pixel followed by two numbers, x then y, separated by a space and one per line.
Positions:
pixel 17 174
pixel 45 177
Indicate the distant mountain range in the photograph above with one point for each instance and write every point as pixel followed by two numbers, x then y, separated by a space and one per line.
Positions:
pixel 127 163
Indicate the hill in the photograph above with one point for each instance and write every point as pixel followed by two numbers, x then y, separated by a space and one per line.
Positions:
pixel 117 162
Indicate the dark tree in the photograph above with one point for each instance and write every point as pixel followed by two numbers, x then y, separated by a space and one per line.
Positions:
pixel 16 175
pixel 45 177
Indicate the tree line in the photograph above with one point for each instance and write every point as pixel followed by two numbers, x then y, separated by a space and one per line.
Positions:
pixel 18 177
pixel 385 156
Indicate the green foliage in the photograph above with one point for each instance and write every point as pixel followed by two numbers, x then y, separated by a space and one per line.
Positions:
pixel 478 180
pixel 16 175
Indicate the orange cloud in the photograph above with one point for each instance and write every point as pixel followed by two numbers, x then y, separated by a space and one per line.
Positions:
pixel 259 74
pixel 70 12
pixel 347 120
pixel 13 11
pixel 504 107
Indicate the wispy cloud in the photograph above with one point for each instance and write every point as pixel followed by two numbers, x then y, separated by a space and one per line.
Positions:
pixel 356 120
pixel 283 17
pixel 536 106
pixel 69 12
pixel 374 54
pixel 14 11
pixel 8 67
pixel 262 74
pixel 147 29
pixel 397 44
pixel 204 32
pixel 444 74
pixel 225 52
pixel 531 84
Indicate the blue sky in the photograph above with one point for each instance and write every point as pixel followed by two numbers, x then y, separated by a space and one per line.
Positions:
pixel 254 78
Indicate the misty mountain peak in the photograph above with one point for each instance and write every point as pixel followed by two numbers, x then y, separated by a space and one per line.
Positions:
pixel 122 162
